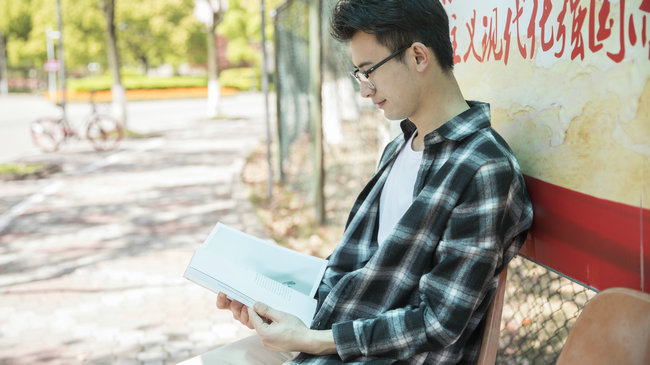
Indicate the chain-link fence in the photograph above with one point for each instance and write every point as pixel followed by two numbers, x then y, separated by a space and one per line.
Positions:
pixel 343 111
pixel 292 72
pixel 540 306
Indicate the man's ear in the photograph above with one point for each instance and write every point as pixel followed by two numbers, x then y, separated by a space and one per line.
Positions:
pixel 422 56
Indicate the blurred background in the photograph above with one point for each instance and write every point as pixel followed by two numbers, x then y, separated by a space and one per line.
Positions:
pixel 243 111
pixel 159 44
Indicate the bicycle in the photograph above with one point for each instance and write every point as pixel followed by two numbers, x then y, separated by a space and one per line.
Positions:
pixel 102 130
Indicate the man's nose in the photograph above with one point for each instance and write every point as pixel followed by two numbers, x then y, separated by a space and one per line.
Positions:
pixel 366 90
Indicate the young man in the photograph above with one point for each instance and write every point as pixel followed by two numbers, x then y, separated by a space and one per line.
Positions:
pixel 412 278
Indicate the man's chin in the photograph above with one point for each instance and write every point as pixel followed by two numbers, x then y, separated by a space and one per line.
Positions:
pixel 391 116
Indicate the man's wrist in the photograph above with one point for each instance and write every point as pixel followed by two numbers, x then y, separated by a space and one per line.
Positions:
pixel 320 342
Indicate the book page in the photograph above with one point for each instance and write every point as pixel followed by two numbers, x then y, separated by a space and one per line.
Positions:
pixel 299 271
pixel 227 270
pixel 273 287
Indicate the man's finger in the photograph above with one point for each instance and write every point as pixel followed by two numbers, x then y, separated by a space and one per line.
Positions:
pixel 243 315
pixel 236 306
pixel 222 301
pixel 267 312
pixel 249 324
pixel 234 309
pixel 254 319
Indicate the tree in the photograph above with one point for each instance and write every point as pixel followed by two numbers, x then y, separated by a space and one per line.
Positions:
pixel 85 35
pixel 148 33
pixel 4 85
pixel 211 12
pixel 15 22
pixel 83 32
pixel 158 32
pixel 119 95
pixel 241 26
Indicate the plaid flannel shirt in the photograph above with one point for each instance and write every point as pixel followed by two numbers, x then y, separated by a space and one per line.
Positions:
pixel 421 298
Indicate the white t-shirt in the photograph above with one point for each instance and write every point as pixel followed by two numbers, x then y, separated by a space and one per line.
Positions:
pixel 397 194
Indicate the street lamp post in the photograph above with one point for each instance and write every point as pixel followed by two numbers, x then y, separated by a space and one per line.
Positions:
pixel 62 79
pixel 51 63
pixel 265 89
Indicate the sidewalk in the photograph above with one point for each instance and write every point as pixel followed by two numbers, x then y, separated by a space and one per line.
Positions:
pixel 91 259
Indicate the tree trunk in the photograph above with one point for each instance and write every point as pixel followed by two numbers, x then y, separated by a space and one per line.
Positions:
pixel 119 95
pixel 4 76
pixel 145 64
pixel 214 92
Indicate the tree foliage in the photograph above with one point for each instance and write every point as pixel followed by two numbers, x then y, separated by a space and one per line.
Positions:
pixel 242 27
pixel 155 32
pixel 15 21
pixel 150 33
pixel 84 32
pixel 22 22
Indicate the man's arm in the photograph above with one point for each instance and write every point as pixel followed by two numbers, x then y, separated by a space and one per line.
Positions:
pixel 281 331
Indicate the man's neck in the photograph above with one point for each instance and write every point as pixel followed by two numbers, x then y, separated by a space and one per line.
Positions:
pixel 439 104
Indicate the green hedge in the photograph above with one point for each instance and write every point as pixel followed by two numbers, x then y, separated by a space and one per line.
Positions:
pixel 242 79
pixel 136 82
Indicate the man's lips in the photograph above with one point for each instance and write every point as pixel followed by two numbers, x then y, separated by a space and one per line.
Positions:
pixel 381 103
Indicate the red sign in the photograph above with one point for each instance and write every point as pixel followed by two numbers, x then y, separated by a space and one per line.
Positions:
pixel 52 65
pixel 578 28
pixel 597 242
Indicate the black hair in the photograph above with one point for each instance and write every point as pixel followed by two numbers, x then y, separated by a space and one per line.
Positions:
pixel 396 23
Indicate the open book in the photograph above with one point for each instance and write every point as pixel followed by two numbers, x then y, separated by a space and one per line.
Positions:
pixel 249 269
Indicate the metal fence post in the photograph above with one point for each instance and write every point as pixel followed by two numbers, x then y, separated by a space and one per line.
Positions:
pixel 315 106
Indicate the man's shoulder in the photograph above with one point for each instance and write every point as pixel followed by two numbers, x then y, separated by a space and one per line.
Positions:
pixel 488 142
pixel 482 148
pixel 477 133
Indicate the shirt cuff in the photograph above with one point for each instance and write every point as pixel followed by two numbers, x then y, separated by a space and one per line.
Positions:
pixel 345 340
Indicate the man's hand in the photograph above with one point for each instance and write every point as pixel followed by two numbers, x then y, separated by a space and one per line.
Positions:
pixel 284 332
pixel 239 311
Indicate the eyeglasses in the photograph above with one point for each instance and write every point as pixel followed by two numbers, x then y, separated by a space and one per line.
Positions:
pixel 362 76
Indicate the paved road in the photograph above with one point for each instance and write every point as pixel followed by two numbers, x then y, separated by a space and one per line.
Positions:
pixel 91 259
pixel 18 110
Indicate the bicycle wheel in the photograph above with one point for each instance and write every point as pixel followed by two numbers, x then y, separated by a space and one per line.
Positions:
pixel 104 132
pixel 47 133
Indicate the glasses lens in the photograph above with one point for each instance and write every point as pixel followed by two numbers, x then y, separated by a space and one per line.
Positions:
pixel 362 79
pixel 365 81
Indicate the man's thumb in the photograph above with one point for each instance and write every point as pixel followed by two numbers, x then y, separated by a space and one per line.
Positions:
pixel 266 311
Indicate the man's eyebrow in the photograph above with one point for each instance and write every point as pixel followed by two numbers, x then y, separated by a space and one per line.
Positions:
pixel 367 63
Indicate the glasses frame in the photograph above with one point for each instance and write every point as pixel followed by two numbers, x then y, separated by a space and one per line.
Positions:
pixel 362 76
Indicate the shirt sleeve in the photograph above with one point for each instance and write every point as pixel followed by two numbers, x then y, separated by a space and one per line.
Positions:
pixel 478 231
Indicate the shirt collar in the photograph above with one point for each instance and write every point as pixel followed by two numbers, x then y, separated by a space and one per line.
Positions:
pixel 457 128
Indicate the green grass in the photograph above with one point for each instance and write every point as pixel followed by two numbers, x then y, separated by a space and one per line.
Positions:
pixel 226 117
pixel 19 168
pixel 129 133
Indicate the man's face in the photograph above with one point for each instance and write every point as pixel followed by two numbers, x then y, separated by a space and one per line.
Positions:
pixel 392 80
